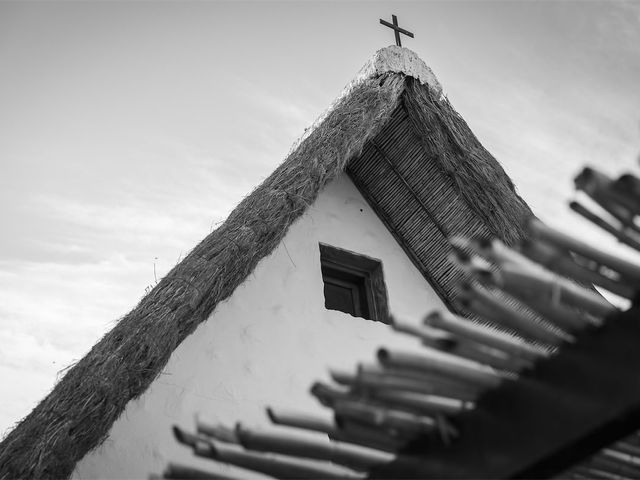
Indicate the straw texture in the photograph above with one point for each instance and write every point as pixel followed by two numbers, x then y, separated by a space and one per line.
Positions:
pixel 77 415
pixel 478 177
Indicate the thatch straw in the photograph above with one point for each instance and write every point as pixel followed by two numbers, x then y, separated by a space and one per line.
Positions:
pixel 77 415
pixel 479 178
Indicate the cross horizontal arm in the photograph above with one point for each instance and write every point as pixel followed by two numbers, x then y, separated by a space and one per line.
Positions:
pixel 395 27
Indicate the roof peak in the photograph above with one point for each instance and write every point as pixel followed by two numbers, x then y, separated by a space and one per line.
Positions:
pixel 395 59
pixel 391 59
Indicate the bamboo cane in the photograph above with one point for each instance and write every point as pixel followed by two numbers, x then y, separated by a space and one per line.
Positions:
pixel 595 183
pixel 553 289
pixel 561 262
pixel 471 351
pixel 383 417
pixel 619 198
pixel 621 235
pixel 481 302
pixel 620 213
pixel 328 395
pixel 371 439
pixel 480 353
pixel 496 252
pixel 504 256
pixel 343 378
pixel 419 403
pixel 186 438
pixel 609 200
pixel 498 359
pixel 470 263
pixel 565 318
pixel 300 420
pixel 416 382
pixel 532 278
pixel 357 458
pixel 466 348
pixel 375 439
pixel 596 474
pixel 278 467
pixel 411 402
pixel 625 268
pixel 355 431
pixel 449 365
pixel 628 448
pixel 628 184
pixel 485 336
pixel 591 181
pixel 619 455
pixel 617 466
pixel 221 433
pixel 544 300
pixel 428 336
pixel 581 269
pixel 180 472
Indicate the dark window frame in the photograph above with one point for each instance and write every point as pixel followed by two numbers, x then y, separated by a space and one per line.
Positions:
pixel 360 273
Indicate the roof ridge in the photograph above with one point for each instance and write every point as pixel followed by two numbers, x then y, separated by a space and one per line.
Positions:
pixel 388 60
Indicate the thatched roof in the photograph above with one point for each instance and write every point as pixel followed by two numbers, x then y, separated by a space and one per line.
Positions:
pixel 412 157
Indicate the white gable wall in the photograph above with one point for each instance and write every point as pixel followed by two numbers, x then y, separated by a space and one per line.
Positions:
pixel 268 342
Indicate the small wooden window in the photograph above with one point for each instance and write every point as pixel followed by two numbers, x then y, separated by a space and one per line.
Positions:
pixel 353 284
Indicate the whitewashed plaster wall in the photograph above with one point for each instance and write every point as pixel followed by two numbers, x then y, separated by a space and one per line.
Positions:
pixel 268 342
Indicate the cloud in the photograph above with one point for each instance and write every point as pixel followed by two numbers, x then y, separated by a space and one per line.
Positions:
pixel 91 260
pixel 619 25
pixel 51 314
pixel 84 261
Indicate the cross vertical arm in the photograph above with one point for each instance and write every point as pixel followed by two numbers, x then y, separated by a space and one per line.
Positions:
pixel 396 29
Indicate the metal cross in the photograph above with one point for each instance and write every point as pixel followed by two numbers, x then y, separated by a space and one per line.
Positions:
pixel 396 29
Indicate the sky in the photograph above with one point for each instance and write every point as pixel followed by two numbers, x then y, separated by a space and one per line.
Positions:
pixel 129 130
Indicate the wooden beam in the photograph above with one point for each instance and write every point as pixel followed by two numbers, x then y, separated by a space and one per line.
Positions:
pixel 565 410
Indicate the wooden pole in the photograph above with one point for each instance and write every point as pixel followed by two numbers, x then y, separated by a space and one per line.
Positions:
pixel 357 458
pixel 482 302
pixel 484 335
pixel 449 365
pixel 627 269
